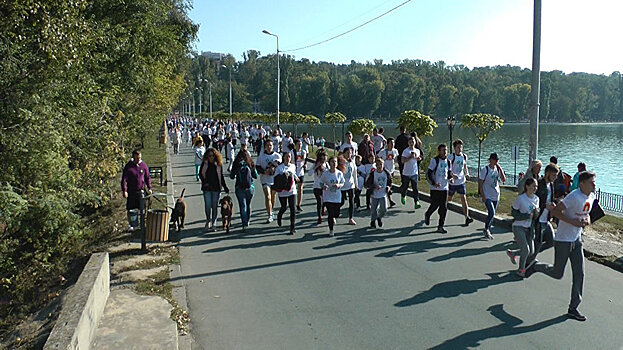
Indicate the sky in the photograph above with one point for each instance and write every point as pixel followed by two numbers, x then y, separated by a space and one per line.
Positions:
pixel 577 36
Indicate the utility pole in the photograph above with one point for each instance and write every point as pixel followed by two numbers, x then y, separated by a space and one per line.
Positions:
pixel 536 83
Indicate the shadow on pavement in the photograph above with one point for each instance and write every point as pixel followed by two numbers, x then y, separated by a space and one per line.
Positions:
pixel 425 246
pixel 508 327
pixel 465 252
pixel 453 289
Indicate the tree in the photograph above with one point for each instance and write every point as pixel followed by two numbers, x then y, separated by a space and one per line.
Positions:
pixel 447 101
pixel 361 126
pixel 417 122
pixel 312 121
pixel 481 124
pixel 334 118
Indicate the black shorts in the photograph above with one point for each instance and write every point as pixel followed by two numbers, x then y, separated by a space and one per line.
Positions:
pixel 133 200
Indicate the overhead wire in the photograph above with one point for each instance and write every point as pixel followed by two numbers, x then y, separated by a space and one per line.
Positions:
pixel 350 30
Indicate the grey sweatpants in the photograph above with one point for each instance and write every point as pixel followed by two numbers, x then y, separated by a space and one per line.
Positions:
pixel 381 204
pixel 526 244
pixel 564 251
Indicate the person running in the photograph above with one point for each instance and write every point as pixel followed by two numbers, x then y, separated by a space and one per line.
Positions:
pixel 331 181
pixel 299 155
pixel 199 152
pixel 489 180
pixel 368 169
pixel 320 166
pixel 276 138
pixel 378 140
pixel 366 149
pixel 265 164
pixel 389 155
pixel 410 157
pixel 460 173
pixel 135 180
pixel 306 142
pixel 229 148
pixel 286 141
pixel 380 182
pixel 402 142
pixel 544 232
pixel 212 182
pixel 525 212
pixel 287 197
pixel 575 182
pixel 350 182
pixel 349 143
pixel 244 172
pixel 438 174
pixel 573 213
pixel 360 181
pixel 244 136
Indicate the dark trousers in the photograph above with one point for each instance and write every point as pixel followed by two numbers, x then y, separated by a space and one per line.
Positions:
pixel 350 201
pixel 333 209
pixel 357 201
pixel 543 239
pixel 285 203
pixel 406 180
pixel 319 204
pixel 573 252
pixel 368 195
pixel 438 200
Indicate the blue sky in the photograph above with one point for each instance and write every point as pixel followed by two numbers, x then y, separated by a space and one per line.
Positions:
pixel 577 35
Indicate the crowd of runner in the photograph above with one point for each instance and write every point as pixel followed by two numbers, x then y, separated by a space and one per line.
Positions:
pixel 283 161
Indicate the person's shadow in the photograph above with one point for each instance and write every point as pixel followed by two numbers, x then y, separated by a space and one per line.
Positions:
pixel 453 289
pixel 508 327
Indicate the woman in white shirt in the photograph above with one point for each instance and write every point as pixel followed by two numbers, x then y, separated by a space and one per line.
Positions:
pixel 286 198
pixel 266 163
pixel 331 181
pixel 299 158
pixel 320 166
pixel 350 181
pixel 525 209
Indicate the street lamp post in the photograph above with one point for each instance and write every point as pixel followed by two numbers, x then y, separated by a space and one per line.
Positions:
pixel 210 100
pixel 450 122
pixel 278 71
pixel 230 66
pixel 193 105
pixel 200 93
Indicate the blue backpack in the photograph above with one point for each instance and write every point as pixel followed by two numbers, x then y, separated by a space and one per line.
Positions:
pixel 245 180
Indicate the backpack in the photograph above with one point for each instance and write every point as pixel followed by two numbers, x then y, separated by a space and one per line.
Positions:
pixel 454 157
pixel 282 182
pixel 245 180
pixel 430 174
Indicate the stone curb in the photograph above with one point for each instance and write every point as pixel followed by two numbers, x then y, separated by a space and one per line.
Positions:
pixel 83 307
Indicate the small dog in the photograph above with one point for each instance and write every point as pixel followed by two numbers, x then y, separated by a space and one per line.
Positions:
pixel 179 212
pixel 227 209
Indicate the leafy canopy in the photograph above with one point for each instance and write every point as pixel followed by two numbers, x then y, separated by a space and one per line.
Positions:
pixel 414 121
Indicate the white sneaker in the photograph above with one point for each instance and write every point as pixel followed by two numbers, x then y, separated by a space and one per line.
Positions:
pixel 330 233
pixel 271 219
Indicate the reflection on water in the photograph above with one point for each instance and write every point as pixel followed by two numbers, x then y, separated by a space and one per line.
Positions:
pixel 594 144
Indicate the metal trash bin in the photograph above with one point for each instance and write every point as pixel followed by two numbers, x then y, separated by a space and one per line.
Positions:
pixel 134 217
pixel 157 225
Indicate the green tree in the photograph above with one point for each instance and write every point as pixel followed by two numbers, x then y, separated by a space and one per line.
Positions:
pixel 481 124
pixel 334 118
pixel 448 96
pixel 361 126
pixel 414 121
pixel 312 121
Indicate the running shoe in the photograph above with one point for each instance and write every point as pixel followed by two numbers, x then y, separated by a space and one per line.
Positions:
pixel 417 205
pixel 440 229
pixel 352 222
pixel 575 314
pixel 380 222
pixel 372 224
pixel 319 221
pixel 468 220
pixel 278 220
pixel 511 256
pixel 403 200
pixel 330 233
pixel 521 273
pixel 426 219
pixel 299 209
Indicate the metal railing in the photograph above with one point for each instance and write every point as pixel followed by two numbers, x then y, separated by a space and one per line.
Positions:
pixel 610 201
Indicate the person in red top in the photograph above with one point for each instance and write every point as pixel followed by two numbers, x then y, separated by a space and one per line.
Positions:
pixel 366 149
pixel 134 179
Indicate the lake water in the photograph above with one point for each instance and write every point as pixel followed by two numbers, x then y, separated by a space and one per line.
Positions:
pixel 594 144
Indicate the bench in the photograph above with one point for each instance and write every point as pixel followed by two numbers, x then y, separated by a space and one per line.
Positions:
pixel 156 171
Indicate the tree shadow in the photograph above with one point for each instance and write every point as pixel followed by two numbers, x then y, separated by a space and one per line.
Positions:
pixel 508 327
pixel 453 289
pixel 465 252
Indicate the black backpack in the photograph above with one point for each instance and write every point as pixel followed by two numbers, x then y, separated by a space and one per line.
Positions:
pixel 282 182
pixel 245 180
pixel 430 174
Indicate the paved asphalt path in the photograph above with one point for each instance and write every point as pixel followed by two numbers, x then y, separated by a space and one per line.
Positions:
pixel 400 287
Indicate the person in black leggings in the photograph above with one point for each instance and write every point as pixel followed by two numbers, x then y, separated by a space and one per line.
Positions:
pixel 331 181
pixel 317 170
pixel 349 169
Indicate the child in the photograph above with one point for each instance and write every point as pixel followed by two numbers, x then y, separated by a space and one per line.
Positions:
pixel 368 170
pixel 360 180
pixel 320 166
pixel 199 152
pixel 389 155
pixel 525 208
pixel 379 182
pixel 229 148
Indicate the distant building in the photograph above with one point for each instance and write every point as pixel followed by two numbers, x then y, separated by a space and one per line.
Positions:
pixel 213 55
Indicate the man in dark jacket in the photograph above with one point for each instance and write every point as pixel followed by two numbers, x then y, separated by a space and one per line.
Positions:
pixel 134 179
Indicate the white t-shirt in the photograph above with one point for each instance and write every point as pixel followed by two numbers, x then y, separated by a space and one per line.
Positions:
pixel 491 184
pixel 545 215
pixel 577 207
pixel 318 174
pixel 350 174
pixel 525 205
pixel 199 152
pixel 305 144
pixel 458 168
pixel 332 194
pixel 276 142
pixel 261 133
pixel 230 150
pixel 352 145
pixel 388 158
pixel 244 136
pixel 410 167
pixel 283 169
pixel 361 175
pixel 378 141
pixel 285 141
pixel 300 161
pixel 263 160
pixel 380 180
pixel 441 175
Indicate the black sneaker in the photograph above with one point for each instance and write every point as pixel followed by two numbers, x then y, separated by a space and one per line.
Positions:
pixel 292 232
pixel 576 315
pixel 441 230
pixel 278 220
pixel 299 209
pixel 372 224
pixel 379 222
pixel 392 204
pixel 468 220
pixel 426 219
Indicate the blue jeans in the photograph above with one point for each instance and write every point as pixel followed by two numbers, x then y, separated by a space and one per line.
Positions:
pixel 244 204
pixel 491 206
pixel 210 200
